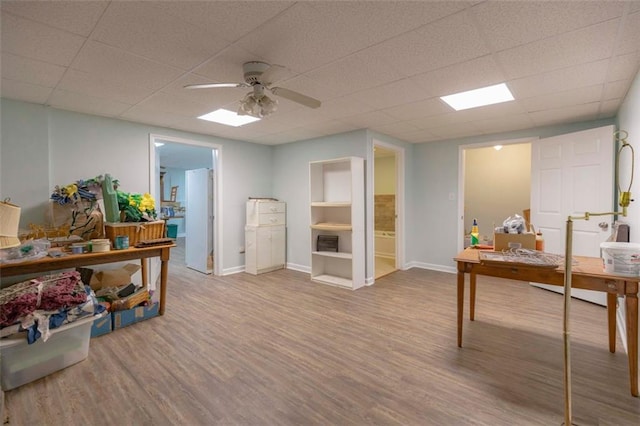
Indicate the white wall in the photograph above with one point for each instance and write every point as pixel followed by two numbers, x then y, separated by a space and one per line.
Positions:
pixel 497 184
pixel 628 119
pixel 42 147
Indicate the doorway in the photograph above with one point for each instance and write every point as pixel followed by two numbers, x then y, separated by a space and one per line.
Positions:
pixel 173 160
pixel 385 194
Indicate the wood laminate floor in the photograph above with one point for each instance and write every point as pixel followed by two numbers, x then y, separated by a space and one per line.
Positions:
pixel 277 349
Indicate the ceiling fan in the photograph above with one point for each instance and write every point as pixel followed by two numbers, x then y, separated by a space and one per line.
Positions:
pixel 258 76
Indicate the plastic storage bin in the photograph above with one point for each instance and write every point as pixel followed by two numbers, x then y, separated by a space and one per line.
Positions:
pixel 172 230
pixel 21 363
pixel 621 258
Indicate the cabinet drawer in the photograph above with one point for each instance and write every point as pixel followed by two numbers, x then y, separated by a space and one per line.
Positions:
pixel 271 219
pixel 271 207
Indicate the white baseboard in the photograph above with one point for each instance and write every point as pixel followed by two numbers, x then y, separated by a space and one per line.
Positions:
pixel 234 270
pixel 431 266
pixel 299 268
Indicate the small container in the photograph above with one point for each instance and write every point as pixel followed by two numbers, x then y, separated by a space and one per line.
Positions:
pixel 122 242
pixel 101 245
pixel 79 248
pixel 539 241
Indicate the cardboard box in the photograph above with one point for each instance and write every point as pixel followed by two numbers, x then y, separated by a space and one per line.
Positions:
pixel 508 241
pixel 132 316
pixel 102 326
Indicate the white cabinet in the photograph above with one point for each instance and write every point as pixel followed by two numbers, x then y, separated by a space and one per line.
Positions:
pixel 265 236
pixel 337 209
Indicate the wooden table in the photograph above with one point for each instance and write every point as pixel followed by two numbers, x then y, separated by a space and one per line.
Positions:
pixel 587 274
pixel 48 264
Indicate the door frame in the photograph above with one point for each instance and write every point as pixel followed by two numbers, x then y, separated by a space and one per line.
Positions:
pixel 216 158
pixel 400 208
pixel 461 169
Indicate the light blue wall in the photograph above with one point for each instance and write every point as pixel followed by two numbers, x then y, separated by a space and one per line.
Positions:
pixel 176 177
pixel 291 184
pixel 433 235
pixel 43 147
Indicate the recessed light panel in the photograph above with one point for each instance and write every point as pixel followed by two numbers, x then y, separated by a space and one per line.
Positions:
pixel 479 97
pixel 229 118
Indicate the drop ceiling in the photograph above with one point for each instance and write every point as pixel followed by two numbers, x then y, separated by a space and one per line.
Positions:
pixel 379 65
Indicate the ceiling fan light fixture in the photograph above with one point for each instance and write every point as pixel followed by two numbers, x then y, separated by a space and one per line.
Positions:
pixel 259 106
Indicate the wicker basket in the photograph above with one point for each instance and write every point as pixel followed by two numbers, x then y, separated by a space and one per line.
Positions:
pixel 136 231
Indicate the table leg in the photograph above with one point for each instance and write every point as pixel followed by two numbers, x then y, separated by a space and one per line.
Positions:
pixel 472 296
pixel 143 272
pixel 460 301
pixel 164 271
pixel 611 320
pixel 631 301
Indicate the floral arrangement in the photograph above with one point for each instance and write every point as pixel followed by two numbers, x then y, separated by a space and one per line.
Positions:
pixel 133 207
pixel 136 207
pixel 89 189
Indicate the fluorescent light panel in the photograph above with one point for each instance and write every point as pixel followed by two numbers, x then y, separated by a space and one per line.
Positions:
pixel 230 118
pixel 479 97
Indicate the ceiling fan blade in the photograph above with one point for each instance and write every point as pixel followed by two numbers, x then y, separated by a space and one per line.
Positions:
pixel 215 85
pixel 296 97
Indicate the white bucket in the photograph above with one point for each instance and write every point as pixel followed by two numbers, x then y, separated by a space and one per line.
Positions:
pixel 621 258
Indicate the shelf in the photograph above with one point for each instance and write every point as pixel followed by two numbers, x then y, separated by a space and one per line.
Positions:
pixel 172 217
pixel 332 226
pixel 331 204
pixel 333 280
pixel 339 255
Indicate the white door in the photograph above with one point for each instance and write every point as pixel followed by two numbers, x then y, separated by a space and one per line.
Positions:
pixel 570 175
pixel 197 219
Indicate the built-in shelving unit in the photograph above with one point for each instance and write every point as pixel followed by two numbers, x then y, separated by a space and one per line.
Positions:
pixel 337 208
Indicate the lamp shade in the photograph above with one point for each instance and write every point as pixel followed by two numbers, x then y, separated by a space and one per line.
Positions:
pixel 9 222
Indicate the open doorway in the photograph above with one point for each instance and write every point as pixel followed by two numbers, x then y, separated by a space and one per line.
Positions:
pixel 185 177
pixel 494 184
pixel 386 206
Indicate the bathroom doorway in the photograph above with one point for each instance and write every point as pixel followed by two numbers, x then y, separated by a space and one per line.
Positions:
pixel 385 210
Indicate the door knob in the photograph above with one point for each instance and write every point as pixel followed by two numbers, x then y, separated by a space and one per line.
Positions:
pixel 603 225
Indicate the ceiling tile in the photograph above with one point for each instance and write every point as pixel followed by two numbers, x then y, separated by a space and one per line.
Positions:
pixel 577 47
pixel 473 74
pixel 459 130
pixel 396 127
pixel 616 89
pixel 179 105
pixel 226 67
pixel 331 127
pixel 609 108
pixel 78 17
pixel 382 20
pixel 418 136
pixel 147 116
pixel 425 108
pixel 365 121
pixel 310 87
pixel 82 103
pixel 623 66
pixel 509 24
pixel 582 95
pixel 354 73
pixel 301 39
pixel 155 34
pixel 630 38
pixel 389 95
pixel 12 89
pixel 555 81
pixel 229 20
pixel 505 124
pixel 451 40
pixel 94 86
pixel 106 63
pixel 37 41
pixel 572 114
pixel 31 71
